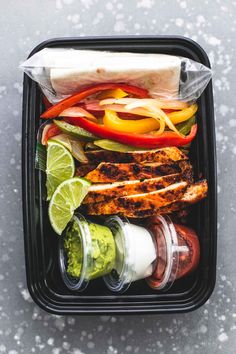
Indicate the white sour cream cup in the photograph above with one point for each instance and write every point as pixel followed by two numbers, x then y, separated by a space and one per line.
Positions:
pixel 135 254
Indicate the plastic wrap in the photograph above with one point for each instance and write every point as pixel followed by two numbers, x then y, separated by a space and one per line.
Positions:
pixel 61 72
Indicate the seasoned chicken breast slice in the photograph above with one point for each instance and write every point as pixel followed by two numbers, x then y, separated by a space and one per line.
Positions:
pixel 164 155
pixel 105 192
pixel 194 194
pixel 112 172
pixel 142 201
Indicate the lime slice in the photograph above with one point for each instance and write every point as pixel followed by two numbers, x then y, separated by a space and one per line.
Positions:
pixel 67 197
pixel 60 166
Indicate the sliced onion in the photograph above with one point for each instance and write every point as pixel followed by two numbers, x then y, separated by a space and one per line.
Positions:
pixel 146 102
pixel 43 132
pixel 139 111
pixel 93 106
pixel 119 108
pixel 135 102
pixel 73 145
pixel 77 111
pixel 117 101
pixel 147 107
pixel 152 106
pixel 167 119
pixel 147 111
pixel 78 152
pixel 142 102
pixel 174 105
pixel 161 127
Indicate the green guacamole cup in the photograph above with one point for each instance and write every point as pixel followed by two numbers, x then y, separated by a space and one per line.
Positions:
pixel 86 251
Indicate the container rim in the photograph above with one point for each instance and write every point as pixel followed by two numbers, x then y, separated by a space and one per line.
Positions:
pixel 57 40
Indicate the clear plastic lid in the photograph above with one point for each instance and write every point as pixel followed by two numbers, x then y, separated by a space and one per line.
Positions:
pixel 168 250
pixel 83 234
pixel 135 254
pixel 119 279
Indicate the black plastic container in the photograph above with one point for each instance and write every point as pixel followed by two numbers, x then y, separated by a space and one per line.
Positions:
pixel 43 276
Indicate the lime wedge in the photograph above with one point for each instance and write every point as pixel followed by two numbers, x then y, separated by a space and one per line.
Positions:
pixel 60 166
pixel 67 197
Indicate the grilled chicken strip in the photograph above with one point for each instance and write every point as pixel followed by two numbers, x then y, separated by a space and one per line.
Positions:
pixel 82 170
pixel 142 201
pixel 165 155
pixel 112 172
pixel 104 192
pixel 194 194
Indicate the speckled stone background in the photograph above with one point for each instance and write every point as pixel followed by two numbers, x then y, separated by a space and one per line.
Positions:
pixel 24 328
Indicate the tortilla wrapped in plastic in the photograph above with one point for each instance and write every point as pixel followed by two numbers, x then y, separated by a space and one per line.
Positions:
pixel 61 72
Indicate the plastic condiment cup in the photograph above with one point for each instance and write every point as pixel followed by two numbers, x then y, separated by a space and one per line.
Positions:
pixel 135 254
pixel 90 254
pixel 178 252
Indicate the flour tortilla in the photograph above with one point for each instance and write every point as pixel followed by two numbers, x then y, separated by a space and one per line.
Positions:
pixel 74 69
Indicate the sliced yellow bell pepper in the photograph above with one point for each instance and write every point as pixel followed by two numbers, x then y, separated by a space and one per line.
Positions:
pixel 141 126
pixel 116 93
pixel 183 115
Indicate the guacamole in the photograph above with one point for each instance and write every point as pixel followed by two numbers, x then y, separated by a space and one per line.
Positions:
pixel 101 257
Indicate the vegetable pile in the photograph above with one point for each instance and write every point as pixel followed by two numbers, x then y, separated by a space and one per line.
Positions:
pixel 125 144
pixel 125 114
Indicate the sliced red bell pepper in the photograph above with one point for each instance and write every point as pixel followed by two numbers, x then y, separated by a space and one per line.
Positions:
pixel 55 110
pixel 49 131
pixel 139 140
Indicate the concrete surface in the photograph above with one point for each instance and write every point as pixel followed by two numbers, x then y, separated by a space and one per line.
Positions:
pixel 24 328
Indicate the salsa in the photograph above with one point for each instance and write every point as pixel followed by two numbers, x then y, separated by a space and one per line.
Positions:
pixel 178 251
pixel 189 258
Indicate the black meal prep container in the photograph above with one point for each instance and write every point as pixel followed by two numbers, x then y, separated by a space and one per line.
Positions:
pixel 43 276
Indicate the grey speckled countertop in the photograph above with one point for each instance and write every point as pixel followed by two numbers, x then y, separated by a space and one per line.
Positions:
pixel 24 328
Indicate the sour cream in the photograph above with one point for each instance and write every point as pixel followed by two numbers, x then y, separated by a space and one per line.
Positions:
pixel 143 251
pixel 135 254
